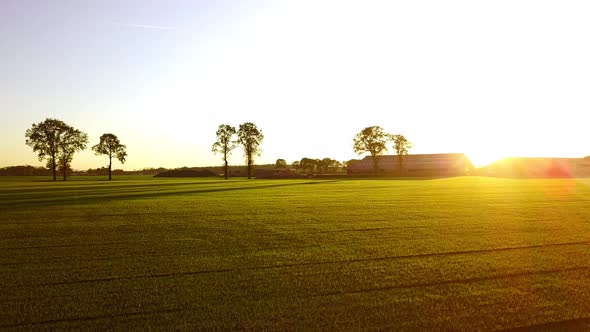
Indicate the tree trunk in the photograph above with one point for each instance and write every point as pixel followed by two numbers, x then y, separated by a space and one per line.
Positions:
pixel 65 169
pixel 225 169
pixel 53 168
pixel 375 165
pixel 110 165
pixel 249 167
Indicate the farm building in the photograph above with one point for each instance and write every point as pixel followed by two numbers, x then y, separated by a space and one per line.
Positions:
pixel 539 167
pixel 444 164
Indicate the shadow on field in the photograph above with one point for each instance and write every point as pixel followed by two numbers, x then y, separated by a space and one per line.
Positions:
pixel 52 322
pixel 579 324
pixel 98 185
pixel 73 196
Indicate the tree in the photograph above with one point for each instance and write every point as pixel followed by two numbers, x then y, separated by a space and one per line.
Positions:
pixel 347 163
pixel 327 165
pixel 308 165
pixel 296 165
pixel 250 137
pixel 50 139
pixel 334 165
pixel 323 164
pixel 224 144
pixel 372 140
pixel 111 146
pixel 401 145
pixel 72 141
pixel 281 163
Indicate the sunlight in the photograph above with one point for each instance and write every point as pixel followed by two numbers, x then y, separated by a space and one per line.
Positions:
pixel 484 157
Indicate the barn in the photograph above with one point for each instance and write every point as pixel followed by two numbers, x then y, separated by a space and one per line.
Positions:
pixel 441 164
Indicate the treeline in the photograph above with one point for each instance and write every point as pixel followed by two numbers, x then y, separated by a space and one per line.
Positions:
pixel 25 170
pixel 105 171
pixel 55 142
pixel 317 166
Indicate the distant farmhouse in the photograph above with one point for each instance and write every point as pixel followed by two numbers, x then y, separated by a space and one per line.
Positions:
pixel 538 168
pixel 447 164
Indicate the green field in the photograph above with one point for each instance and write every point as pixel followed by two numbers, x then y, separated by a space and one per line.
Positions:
pixel 463 253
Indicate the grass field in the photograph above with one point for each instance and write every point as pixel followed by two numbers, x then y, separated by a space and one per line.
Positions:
pixel 462 253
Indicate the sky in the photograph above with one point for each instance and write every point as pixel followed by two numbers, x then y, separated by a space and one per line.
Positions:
pixel 491 79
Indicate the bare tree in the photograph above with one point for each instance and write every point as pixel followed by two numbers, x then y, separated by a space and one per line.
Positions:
pixel 250 137
pixel 372 140
pixel 111 146
pixel 224 144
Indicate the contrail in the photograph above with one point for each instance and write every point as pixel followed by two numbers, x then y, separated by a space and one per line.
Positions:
pixel 145 26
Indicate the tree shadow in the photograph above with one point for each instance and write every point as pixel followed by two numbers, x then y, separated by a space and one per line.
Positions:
pixel 99 185
pixel 76 199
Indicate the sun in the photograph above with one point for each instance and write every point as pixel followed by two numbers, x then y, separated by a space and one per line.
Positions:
pixel 481 158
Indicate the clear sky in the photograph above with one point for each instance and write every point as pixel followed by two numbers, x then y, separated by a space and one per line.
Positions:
pixel 487 78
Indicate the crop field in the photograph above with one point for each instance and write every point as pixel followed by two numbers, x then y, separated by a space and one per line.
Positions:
pixel 141 253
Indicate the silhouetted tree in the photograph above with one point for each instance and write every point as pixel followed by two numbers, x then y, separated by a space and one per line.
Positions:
pixel 308 165
pixel 72 141
pixel 347 163
pixel 25 170
pixel 327 165
pixel 250 137
pixel 334 165
pixel 55 142
pixel 372 140
pixel 323 164
pixel 316 165
pixel 111 146
pixel 296 165
pixel 281 163
pixel 224 144
pixel 401 145
pixel 44 138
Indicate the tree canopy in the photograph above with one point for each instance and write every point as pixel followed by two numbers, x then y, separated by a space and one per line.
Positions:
pixel 328 165
pixel 281 163
pixel 55 142
pixel 110 146
pixel 401 145
pixel 372 140
pixel 224 144
pixel 72 141
pixel 250 137
pixel 308 165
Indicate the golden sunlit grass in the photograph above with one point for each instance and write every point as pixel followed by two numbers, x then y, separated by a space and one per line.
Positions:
pixel 461 254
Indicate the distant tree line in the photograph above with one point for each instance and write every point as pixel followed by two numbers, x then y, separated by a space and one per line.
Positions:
pixel 372 140
pixel 56 142
pixel 25 170
pixel 317 166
